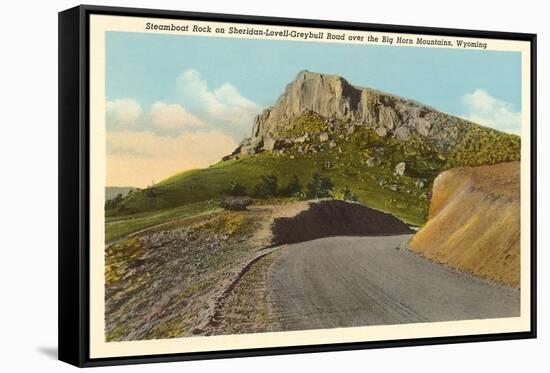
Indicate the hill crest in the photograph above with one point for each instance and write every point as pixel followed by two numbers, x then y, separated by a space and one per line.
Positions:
pixel 345 105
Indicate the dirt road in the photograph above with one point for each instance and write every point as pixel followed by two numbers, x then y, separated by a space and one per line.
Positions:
pixel 354 281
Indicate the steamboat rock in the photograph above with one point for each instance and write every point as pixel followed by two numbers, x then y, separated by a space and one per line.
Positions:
pixel 345 106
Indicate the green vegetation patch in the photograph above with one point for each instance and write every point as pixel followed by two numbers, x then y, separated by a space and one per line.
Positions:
pixel 120 226
pixel 118 256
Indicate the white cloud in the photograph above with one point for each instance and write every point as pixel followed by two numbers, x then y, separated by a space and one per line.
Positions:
pixel 195 130
pixel 223 106
pixel 122 114
pixel 162 118
pixel 489 111
pixel 173 119
pixel 137 158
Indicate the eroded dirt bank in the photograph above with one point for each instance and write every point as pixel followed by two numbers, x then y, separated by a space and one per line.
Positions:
pixel 335 218
pixel 474 222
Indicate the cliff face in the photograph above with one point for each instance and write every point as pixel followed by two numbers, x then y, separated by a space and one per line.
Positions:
pixel 333 98
pixel 327 95
pixel 474 222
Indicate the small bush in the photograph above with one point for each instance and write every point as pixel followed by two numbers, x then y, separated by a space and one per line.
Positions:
pixel 347 195
pixel 267 187
pixel 293 188
pixel 320 186
pixel 114 202
pixel 236 189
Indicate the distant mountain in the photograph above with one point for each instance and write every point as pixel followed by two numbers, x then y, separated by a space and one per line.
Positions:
pixel 382 149
pixel 112 192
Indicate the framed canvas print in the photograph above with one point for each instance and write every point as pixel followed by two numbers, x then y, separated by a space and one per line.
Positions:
pixel 236 186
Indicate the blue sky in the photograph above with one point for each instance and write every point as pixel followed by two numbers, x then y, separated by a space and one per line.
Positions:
pixel 145 66
pixel 174 85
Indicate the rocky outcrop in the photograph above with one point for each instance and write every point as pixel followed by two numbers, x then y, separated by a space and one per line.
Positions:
pixel 474 222
pixel 327 95
pixel 344 105
pixel 400 169
pixel 373 162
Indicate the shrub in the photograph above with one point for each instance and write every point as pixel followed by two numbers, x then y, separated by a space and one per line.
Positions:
pixel 151 192
pixel 319 187
pixel 114 202
pixel 267 187
pixel 293 188
pixel 236 189
pixel 347 195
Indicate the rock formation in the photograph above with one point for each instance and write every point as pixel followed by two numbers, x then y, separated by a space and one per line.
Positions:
pixel 343 104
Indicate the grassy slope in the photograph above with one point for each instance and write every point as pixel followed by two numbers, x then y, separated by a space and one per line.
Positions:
pixel 117 227
pixel 208 183
pixel 345 164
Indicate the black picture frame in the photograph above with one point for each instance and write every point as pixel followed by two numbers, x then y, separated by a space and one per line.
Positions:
pixel 74 178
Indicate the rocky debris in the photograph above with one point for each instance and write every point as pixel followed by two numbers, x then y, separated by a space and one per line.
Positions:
pixel 250 146
pixel 388 117
pixel 323 137
pixel 402 133
pixel 230 156
pixel 422 126
pixel 259 144
pixel 235 203
pixel 332 122
pixel 373 162
pixel 420 183
pixel 301 139
pixel 332 145
pixel 171 261
pixel 400 169
pixel 381 131
pixel 165 283
pixel 243 309
pixel 269 144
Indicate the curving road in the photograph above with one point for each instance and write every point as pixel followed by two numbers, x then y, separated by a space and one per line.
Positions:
pixel 353 281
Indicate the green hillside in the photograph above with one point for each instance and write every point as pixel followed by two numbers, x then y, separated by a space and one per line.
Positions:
pixel 358 160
